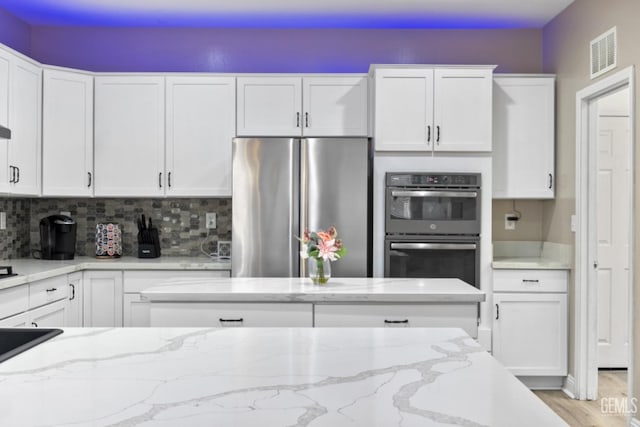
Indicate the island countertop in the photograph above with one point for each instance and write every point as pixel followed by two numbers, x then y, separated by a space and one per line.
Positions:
pixel 267 377
pixel 286 289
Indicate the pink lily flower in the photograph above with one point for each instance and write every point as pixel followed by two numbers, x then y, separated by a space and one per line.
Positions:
pixel 327 249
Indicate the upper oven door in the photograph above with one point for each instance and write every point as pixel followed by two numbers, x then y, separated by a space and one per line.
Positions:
pixel 432 211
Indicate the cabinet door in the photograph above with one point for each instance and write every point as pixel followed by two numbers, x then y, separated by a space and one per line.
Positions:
pixel 530 333
pixel 404 110
pixel 5 67
pixel 14 300
pixel 52 315
pixel 462 109
pixel 200 126
pixel 25 121
pixel 102 298
pixel 67 134
pixel 335 106
pixel 129 136
pixel 524 139
pixel 269 106
pixel 74 317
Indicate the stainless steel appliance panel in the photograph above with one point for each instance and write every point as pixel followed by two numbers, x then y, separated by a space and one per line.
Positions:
pixel 335 183
pixel 265 209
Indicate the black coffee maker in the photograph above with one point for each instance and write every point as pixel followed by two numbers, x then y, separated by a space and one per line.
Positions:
pixel 57 237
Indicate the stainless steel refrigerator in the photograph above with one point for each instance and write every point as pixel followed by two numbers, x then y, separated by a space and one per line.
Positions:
pixel 282 186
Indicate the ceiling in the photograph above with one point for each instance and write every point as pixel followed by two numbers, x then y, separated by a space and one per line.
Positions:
pixel 290 13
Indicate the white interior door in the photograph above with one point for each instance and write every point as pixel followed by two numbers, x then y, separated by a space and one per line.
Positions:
pixel 613 240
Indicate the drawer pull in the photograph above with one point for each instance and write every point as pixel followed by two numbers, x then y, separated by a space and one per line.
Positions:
pixel 34 324
pixel 530 281
pixel 497 312
pixel 396 321
pixel 52 289
pixel 231 320
pixel 73 291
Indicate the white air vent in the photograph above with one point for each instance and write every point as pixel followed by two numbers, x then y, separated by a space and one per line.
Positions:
pixel 603 53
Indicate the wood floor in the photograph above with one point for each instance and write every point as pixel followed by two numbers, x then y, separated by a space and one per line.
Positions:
pixel 586 413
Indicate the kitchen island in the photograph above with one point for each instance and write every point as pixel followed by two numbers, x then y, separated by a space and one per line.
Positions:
pixel 289 302
pixel 267 377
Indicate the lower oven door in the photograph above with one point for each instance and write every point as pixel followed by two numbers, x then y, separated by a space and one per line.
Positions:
pixel 428 258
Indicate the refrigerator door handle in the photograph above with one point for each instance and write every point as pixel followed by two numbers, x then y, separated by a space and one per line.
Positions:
pixel 304 197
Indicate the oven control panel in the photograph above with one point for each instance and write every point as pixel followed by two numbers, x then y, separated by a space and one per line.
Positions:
pixel 433 180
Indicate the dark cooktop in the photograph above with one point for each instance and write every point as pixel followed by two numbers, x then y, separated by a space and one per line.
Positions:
pixel 14 341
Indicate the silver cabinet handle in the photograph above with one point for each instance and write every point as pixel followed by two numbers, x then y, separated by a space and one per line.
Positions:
pixel 434 246
pixel 452 194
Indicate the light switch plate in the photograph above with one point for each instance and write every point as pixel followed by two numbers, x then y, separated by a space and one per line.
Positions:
pixel 211 220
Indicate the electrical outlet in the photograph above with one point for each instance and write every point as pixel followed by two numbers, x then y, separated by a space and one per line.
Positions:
pixel 508 224
pixel 211 219
pixel 3 220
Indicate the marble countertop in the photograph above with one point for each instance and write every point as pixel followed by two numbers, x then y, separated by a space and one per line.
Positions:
pixel 264 376
pixel 270 289
pixel 525 263
pixel 30 270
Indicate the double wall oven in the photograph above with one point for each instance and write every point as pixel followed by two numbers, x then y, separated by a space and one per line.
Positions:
pixel 432 226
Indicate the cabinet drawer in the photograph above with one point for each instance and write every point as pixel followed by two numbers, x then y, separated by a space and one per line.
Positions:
pixel 137 281
pixel 14 300
pixel 196 314
pixel 442 315
pixel 45 291
pixel 530 280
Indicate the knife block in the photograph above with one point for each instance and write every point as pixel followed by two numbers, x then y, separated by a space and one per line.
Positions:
pixel 149 250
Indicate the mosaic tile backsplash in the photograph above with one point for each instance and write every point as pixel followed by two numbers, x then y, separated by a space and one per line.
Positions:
pixel 180 222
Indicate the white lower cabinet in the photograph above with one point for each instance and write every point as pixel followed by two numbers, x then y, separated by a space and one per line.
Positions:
pixel 102 299
pixel 135 310
pixel 202 314
pixel 52 315
pixel 530 327
pixel 75 315
pixel 20 320
pixel 443 315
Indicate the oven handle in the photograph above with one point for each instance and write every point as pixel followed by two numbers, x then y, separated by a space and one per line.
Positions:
pixel 435 246
pixel 411 193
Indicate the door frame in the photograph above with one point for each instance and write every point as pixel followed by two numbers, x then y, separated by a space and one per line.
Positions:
pixel 585 385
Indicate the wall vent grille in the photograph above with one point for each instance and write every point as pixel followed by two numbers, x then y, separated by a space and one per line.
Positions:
pixel 603 53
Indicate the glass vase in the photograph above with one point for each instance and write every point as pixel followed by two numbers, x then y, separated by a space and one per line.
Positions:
pixel 319 270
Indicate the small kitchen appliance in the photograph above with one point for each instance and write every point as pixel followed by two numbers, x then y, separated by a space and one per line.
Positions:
pixel 57 237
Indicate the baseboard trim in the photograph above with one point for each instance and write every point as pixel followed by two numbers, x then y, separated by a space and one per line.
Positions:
pixel 569 387
pixel 542 382
pixel 634 422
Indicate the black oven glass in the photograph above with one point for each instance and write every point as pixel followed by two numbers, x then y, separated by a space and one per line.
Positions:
pixel 421 263
pixel 411 206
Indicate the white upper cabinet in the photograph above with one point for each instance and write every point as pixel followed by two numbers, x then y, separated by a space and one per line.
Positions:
pixel 5 66
pixel 269 106
pixel 200 125
pixel 404 110
pixel 462 109
pixel 524 140
pixel 302 106
pixel 129 136
pixel 67 134
pixel 25 112
pixel 427 109
pixel 335 106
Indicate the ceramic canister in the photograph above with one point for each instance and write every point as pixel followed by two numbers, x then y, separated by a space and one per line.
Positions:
pixel 108 240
